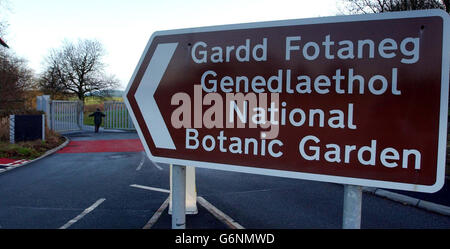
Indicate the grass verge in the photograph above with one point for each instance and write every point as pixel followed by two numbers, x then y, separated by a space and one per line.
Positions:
pixel 30 149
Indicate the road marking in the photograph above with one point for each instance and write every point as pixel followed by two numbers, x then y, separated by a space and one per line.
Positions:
pixel 80 216
pixel 157 214
pixel 227 220
pixel 150 188
pixel 156 165
pixel 219 214
pixel 8 164
pixel 141 162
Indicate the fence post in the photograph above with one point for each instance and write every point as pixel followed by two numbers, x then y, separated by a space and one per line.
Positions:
pixel 51 114
pixel 39 103
pixel 43 104
pixel 80 114
pixel 43 127
pixel 12 124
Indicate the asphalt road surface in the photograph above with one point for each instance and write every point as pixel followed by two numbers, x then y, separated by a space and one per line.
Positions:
pixel 87 187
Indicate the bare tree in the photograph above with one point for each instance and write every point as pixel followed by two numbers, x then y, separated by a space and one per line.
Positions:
pixel 3 22
pixel 52 82
pixel 378 6
pixel 77 68
pixel 15 79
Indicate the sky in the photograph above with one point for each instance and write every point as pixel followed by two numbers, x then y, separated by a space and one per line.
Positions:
pixel 124 27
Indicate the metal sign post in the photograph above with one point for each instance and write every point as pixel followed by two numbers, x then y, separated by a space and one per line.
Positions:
pixel 352 207
pixel 191 192
pixel 179 197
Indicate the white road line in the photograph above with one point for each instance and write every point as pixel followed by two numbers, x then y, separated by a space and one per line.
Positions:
pixel 219 214
pixel 21 161
pixel 156 165
pixel 141 162
pixel 157 214
pixel 80 216
pixel 150 188
pixel 227 220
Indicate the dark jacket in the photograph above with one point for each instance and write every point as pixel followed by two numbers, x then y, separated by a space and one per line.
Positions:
pixel 97 117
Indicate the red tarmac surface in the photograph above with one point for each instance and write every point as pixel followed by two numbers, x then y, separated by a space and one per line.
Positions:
pixel 6 160
pixel 118 145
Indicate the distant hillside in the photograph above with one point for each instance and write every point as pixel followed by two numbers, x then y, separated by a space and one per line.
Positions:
pixel 107 93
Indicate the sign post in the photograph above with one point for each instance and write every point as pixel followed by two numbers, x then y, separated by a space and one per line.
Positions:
pixel 191 191
pixel 179 197
pixel 356 100
pixel 352 207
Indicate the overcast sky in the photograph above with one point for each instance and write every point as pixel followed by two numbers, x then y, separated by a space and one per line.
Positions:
pixel 124 26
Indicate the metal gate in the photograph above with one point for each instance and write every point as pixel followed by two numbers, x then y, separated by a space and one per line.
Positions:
pixel 66 115
pixel 117 116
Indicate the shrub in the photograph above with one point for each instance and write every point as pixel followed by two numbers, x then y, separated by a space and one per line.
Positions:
pixel 29 149
pixel 4 129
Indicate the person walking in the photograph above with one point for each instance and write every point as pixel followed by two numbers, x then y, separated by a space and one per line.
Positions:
pixel 97 118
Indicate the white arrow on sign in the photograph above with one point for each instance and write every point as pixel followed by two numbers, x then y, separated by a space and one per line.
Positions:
pixel 145 95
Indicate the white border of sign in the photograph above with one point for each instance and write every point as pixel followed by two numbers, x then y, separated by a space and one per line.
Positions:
pixel 442 144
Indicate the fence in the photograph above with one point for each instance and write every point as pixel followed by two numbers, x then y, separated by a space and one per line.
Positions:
pixel 66 115
pixel 61 115
pixel 117 116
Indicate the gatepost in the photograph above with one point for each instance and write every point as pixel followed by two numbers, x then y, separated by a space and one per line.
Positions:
pixel 43 104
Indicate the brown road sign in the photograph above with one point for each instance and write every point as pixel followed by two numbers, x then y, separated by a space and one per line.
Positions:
pixel 357 100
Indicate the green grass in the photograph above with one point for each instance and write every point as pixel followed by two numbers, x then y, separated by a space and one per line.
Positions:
pixel 120 117
pixel 121 122
pixel 30 149
pixel 90 120
pixel 17 151
pixel 92 100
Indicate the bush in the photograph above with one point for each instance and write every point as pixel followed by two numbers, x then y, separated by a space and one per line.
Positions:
pixel 29 149
pixel 17 151
pixel 4 129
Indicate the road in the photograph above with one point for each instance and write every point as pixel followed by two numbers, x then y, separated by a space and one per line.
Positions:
pixel 92 188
